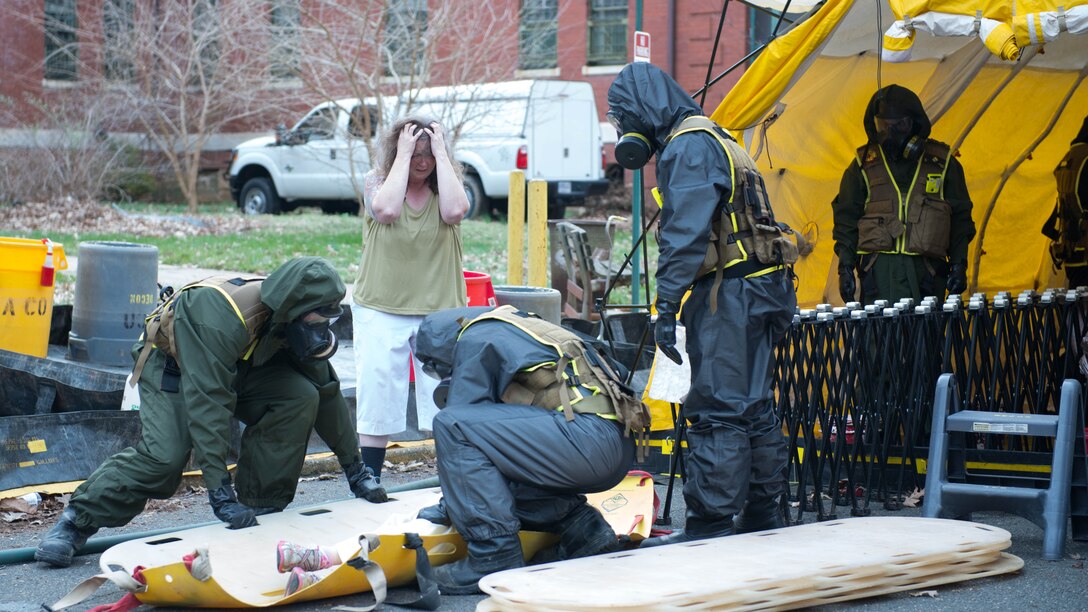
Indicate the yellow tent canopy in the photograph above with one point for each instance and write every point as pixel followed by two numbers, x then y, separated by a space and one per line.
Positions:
pixel 799 110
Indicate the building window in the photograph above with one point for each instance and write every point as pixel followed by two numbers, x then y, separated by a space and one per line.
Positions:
pixel 284 19
pixel 61 48
pixel 206 30
pixel 404 37
pixel 607 32
pixel 537 34
pixel 761 25
pixel 118 23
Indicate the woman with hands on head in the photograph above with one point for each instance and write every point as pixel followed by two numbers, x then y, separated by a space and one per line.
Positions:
pixel 411 267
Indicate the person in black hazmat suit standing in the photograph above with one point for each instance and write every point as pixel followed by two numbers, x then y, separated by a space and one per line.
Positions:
pixel 903 215
pixel 712 200
pixel 534 418
pixel 1067 226
pixel 252 348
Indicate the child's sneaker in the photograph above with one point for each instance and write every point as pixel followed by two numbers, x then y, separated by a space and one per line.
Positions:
pixel 299 580
pixel 290 556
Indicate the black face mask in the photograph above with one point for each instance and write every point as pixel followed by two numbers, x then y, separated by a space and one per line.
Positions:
pixel 633 150
pixel 310 338
pixel 439 371
pixel 895 136
pixel 441 393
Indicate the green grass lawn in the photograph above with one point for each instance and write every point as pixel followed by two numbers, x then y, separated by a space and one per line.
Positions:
pixel 273 239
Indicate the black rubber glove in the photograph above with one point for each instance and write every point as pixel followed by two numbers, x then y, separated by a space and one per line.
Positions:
pixel 363 484
pixel 228 509
pixel 957 278
pixel 665 329
pixel 847 285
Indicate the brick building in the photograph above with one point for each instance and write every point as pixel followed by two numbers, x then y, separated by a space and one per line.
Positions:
pixel 586 40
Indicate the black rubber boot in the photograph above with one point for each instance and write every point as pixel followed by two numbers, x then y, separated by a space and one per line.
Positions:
pixel 484 557
pixel 759 515
pixel 63 541
pixel 582 533
pixel 436 514
pixel 373 458
pixel 695 529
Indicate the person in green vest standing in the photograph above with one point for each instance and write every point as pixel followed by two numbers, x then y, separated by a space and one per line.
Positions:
pixel 903 215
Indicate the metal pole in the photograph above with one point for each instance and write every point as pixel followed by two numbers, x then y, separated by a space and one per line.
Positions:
pixel 636 204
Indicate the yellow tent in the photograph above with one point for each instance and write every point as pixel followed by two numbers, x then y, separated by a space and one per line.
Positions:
pixel 799 109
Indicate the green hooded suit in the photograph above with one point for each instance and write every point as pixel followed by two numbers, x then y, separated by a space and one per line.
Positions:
pixel 278 398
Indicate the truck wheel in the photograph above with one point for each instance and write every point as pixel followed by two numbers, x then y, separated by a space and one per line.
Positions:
pixel 477 199
pixel 259 198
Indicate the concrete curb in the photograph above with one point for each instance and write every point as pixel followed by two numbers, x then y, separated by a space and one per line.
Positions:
pixel 326 463
pixel 398 455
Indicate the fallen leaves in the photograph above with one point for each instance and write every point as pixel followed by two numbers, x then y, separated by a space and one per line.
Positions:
pixel 929 593
pixel 914 498
pixel 84 216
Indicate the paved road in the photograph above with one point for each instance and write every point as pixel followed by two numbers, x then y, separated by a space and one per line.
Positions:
pixel 1041 585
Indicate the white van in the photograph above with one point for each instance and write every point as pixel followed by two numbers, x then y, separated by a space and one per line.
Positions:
pixel 548 129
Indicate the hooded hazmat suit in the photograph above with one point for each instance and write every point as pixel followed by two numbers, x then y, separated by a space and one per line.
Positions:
pixel 927 172
pixel 737 453
pixel 506 467
pixel 1068 225
pixel 187 409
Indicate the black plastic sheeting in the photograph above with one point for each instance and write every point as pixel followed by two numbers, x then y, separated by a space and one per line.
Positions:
pixel 61 447
pixel 33 385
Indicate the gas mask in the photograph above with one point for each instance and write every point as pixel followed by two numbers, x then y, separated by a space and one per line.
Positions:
pixel 894 134
pixel 633 150
pixel 442 373
pixel 310 336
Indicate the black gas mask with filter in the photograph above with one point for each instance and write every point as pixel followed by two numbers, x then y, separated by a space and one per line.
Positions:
pixel 310 336
pixel 633 150
pixel 894 133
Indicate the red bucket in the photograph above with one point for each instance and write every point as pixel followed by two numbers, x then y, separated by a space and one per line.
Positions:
pixel 480 290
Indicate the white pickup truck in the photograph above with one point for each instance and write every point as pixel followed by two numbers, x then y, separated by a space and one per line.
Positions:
pixel 548 129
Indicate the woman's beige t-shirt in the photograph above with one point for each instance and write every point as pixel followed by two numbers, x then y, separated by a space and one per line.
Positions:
pixel 413 265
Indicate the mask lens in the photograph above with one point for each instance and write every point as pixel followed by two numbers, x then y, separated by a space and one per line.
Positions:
pixel 893 124
pixel 614 121
pixel 315 318
pixel 430 370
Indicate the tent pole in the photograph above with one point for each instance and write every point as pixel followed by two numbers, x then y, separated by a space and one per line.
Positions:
pixel 713 54
pixel 1010 169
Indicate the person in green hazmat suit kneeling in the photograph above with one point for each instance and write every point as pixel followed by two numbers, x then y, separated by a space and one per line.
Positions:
pixel 535 417
pixel 251 348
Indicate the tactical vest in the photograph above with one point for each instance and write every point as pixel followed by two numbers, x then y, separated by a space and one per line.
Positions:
pixel 1070 245
pixel 916 223
pixel 754 243
pixel 244 297
pixel 578 381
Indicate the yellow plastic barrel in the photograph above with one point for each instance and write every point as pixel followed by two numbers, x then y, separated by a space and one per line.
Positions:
pixel 26 293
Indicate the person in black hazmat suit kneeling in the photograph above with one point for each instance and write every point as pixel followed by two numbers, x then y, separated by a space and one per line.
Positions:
pixel 518 445
pixel 718 239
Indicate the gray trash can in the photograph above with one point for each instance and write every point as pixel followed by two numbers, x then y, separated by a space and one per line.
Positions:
pixel 540 300
pixel 116 288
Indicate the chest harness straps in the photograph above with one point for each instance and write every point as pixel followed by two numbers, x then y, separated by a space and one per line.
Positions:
pixel 244 297
pixel 746 240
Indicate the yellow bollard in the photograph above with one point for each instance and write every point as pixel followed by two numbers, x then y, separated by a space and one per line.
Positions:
pixel 538 233
pixel 515 228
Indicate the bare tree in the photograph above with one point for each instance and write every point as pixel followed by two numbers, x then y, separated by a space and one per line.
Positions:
pixel 182 71
pixel 63 152
pixel 385 52
pixel 173 73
